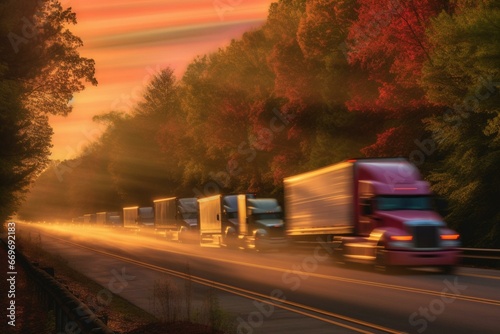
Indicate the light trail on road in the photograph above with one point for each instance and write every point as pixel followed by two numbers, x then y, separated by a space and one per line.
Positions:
pixel 332 278
pixel 275 302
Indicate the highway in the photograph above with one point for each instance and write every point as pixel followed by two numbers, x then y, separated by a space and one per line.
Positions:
pixel 288 292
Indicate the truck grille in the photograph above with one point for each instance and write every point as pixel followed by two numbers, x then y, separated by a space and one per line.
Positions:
pixel 276 231
pixel 426 236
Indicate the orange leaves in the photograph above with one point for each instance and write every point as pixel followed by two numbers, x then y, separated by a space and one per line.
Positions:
pixel 389 41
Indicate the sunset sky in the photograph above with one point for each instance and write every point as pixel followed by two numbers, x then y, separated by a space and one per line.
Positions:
pixel 130 40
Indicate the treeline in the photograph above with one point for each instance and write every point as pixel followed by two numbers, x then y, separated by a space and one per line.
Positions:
pixel 40 69
pixel 319 82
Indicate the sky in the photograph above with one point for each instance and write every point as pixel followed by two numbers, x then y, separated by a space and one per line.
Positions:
pixel 131 40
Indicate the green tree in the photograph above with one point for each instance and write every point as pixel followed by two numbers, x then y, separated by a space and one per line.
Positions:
pixel 322 35
pixel 44 56
pixel 313 78
pixel 25 139
pixel 463 76
pixel 39 70
pixel 228 101
pixel 141 167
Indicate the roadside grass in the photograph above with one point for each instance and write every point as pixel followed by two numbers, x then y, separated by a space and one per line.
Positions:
pixel 119 314
pixel 174 303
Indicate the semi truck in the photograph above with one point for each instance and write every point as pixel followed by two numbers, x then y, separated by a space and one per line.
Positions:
pixel 130 217
pixel 108 218
pixel 376 211
pixel 146 217
pixel 241 221
pixel 89 218
pixel 138 217
pixel 177 218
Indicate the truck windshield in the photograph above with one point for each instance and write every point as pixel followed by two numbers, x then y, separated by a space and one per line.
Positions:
pixel 232 215
pixel 404 203
pixel 268 215
pixel 189 215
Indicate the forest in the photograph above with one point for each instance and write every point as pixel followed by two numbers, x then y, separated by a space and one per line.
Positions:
pixel 320 82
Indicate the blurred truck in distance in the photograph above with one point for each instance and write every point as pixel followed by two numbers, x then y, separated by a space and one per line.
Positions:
pixel 241 221
pixel 177 218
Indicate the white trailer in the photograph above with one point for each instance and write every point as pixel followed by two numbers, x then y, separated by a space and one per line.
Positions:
pixel 130 215
pixel 89 218
pixel 165 212
pixel 320 202
pixel 210 220
pixel 101 218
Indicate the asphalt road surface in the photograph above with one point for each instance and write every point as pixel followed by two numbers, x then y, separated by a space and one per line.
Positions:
pixel 285 291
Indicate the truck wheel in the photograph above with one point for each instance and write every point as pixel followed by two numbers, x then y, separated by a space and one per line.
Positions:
pixel 338 256
pixel 448 270
pixel 381 260
pixel 230 242
pixel 257 243
pixel 231 238
pixel 337 249
pixel 182 234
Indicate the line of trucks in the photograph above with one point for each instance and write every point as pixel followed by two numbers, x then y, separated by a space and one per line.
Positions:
pixel 376 211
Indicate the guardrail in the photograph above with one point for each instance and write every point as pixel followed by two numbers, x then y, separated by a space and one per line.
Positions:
pixel 71 315
pixel 481 257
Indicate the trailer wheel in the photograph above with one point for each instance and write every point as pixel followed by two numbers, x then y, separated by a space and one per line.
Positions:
pixel 381 260
pixel 448 270
pixel 338 253
pixel 182 234
pixel 257 242
pixel 231 238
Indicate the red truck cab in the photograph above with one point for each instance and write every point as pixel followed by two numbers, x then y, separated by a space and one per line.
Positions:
pixel 396 218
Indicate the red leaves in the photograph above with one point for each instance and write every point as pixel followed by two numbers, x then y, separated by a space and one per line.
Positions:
pixel 389 41
pixel 394 142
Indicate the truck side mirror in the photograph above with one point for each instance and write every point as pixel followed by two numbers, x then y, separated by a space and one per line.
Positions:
pixel 366 207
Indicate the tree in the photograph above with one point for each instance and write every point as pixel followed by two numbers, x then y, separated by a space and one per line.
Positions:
pixel 388 40
pixel 312 79
pixel 462 76
pixel 39 70
pixel 25 142
pixel 48 62
pixel 141 170
pixel 219 96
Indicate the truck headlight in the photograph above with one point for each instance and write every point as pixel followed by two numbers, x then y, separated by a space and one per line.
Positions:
pixel 450 240
pixel 401 237
pixel 450 236
pixel 260 233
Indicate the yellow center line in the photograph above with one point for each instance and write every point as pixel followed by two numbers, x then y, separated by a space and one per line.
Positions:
pixel 482 276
